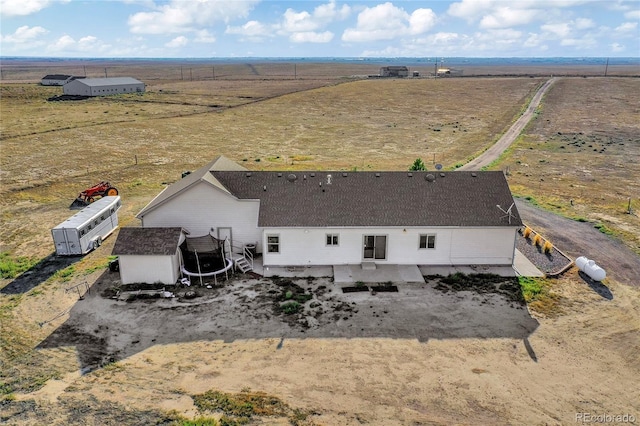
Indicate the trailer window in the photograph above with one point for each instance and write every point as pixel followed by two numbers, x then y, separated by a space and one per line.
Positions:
pixel 81 232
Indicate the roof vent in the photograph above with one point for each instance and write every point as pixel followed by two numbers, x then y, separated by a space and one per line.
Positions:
pixel 248 174
pixel 410 174
pixel 312 175
pixel 430 178
pixel 344 175
pixel 264 188
pixel 441 174
pixel 291 177
pixel 304 177
pixel 377 174
pixel 474 174
pixel 279 174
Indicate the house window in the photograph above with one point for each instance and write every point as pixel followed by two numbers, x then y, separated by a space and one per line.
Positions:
pixel 332 239
pixel 427 241
pixel 273 244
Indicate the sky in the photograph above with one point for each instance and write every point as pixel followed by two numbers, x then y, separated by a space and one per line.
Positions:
pixel 329 28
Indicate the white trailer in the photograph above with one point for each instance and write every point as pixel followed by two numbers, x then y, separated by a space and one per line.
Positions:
pixel 85 230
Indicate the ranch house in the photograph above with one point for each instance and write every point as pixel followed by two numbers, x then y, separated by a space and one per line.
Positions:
pixel 103 86
pixel 307 218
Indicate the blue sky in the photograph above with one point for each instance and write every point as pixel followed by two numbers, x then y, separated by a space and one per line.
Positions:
pixel 254 28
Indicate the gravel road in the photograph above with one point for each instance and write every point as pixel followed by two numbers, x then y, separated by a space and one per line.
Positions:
pixel 582 239
pixel 510 135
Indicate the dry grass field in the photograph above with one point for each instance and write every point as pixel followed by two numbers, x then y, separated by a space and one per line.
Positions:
pixel 576 353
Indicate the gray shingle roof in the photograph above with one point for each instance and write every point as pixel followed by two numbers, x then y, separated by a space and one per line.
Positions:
pixel 111 81
pixel 375 198
pixel 147 241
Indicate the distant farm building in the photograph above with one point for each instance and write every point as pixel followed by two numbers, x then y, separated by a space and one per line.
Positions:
pixel 103 86
pixel 394 71
pixel 57 79
pixel 449 72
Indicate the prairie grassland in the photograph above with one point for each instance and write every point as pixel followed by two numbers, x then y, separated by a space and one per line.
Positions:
pixel 363 124
pixel 580 156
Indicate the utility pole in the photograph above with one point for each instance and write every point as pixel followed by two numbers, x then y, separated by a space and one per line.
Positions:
pixel 181 74
pixel 105 72
pixel 191 73
pixel 213 72
pixel 606 67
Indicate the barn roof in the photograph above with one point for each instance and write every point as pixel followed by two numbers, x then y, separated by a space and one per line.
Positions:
pixel 111 81
pixel 147 241
pixel 335 199
pixel 56 77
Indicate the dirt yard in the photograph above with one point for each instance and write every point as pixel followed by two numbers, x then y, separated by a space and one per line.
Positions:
pixel 426 354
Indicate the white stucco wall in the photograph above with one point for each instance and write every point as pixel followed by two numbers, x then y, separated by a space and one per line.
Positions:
pixel 149 269
pixel 454 246
pixel 203 207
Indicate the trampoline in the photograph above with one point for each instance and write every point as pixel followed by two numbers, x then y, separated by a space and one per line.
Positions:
pixel 205 256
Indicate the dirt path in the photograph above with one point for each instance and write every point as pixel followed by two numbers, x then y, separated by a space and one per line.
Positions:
pixel 582 239
pixel 510 135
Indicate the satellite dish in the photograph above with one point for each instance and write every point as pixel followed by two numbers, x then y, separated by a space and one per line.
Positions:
pixel 507 213
pixel 438 166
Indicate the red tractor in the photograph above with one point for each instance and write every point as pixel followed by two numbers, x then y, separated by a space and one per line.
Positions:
pixel 88 196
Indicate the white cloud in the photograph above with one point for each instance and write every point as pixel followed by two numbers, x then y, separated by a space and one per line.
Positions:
pixel 505 17
pixel 584 24
pixel 633 14
pixel 68 45
pixel 617 47
pixel 386 22
pixel 560 30
pixel 627 29
pixel 303 27
pixel 25 7
pixel 24 34
pixel 252 31
pixel 204 36
pixel 179 41
pixel 311 37
pixel 179 16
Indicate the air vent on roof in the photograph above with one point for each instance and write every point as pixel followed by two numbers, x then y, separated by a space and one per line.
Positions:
pixel 441 174
pixel 410 174
pixel 279 174
pixel 474 174
pixel 377 174
pixel 248 174
pixel 291 177
pixel 430 178
pixel 344 175
pixel 312 175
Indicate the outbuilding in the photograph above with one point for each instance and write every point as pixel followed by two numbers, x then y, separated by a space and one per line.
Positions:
pixel 149 255
pixel 56 79
pixel 103 86
pixel 394 71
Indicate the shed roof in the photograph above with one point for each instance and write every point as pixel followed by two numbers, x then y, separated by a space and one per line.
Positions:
pixel 56 77
pixel 147 241
pixel 366 199
pixel 111 81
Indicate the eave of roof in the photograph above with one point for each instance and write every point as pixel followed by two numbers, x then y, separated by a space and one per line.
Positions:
pixel 203 174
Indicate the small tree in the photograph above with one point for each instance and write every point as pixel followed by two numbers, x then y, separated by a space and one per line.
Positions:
pixel 417 165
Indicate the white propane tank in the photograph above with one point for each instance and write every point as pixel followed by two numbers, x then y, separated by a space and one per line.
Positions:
pixel 590 268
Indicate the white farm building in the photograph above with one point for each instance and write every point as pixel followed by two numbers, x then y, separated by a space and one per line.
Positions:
pixel 314 218
pixel 103 86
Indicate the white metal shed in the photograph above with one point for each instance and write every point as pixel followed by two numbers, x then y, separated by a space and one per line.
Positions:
pixel 103 86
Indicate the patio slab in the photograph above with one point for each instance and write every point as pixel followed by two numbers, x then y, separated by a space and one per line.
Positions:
pixel 382 273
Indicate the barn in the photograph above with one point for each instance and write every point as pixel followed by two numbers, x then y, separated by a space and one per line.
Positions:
pixel 103 86
pixel 307 218
pixel 149 255
pixel 394 71
pixel 56 79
